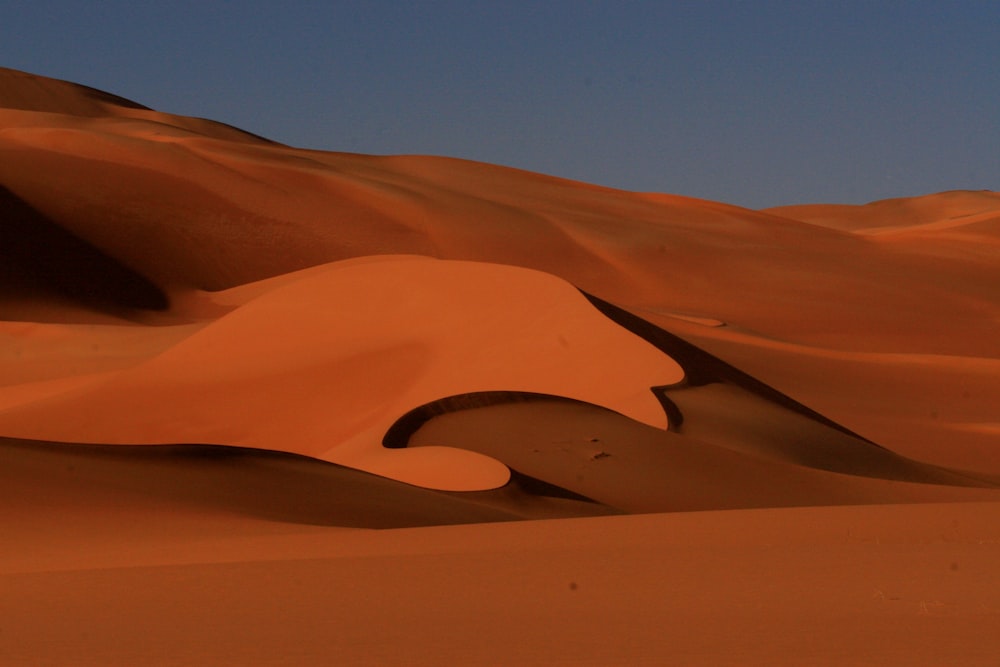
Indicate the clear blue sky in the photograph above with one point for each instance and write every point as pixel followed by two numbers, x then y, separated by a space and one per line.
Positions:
pixel 754 103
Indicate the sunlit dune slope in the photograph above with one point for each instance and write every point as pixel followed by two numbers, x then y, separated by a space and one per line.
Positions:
pixel 322 366
pixel 892 585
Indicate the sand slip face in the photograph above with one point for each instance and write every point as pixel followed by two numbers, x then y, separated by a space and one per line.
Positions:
pixel 324 365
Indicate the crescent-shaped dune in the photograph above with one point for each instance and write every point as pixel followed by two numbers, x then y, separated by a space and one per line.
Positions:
pixel 322 366
pixel 225 361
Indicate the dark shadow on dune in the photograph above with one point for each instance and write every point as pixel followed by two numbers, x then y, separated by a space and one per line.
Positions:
pixel 30 92
pixel 702 368
pixel 716 404
pixel 232 132
pixel 635 468
pixel 539 487
pixel 40 259
pixel 270 485
pixel 107 98
pixel 398 435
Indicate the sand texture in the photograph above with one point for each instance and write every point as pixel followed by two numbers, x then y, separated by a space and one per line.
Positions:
pixel 263 405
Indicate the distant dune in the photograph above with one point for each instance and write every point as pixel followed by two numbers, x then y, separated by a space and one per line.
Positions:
pixel 223 361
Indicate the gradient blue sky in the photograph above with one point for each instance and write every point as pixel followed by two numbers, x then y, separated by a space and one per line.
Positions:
pixel 751 103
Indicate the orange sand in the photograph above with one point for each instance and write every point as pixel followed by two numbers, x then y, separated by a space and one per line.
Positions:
pixel 591 426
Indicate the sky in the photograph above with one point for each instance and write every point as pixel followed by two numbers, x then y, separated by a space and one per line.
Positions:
pixel 753 103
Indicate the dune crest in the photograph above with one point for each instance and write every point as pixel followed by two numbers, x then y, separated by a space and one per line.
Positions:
pixel 900 213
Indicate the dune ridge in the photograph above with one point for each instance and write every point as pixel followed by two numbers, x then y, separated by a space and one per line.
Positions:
pixel 956 207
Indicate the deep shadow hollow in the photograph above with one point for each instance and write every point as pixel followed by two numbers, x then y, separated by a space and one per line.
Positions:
pixel 701 368
pixel 398 435
pixel 39 258
pixel 269 485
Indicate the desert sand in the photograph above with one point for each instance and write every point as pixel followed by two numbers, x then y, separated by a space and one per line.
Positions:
pixel 268 405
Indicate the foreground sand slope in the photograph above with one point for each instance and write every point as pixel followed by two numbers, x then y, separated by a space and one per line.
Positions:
pixel 895 585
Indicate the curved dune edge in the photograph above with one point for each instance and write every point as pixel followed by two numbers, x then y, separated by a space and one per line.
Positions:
pixel 633 468
pixel 106 486
pixel 323 365
pixel 911 403
pixel 942 210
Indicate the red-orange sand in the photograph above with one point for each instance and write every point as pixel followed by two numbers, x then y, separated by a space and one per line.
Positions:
pixel 262 405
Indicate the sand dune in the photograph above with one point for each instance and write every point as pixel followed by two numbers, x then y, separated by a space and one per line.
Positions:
pixel 905 213
pixel 389 335
pixel 225 361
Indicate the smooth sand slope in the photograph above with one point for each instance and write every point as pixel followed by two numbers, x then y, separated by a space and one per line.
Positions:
pixel 224 362
pixel 896 584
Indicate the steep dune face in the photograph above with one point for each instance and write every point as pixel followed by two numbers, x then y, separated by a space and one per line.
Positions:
pixel 41 261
